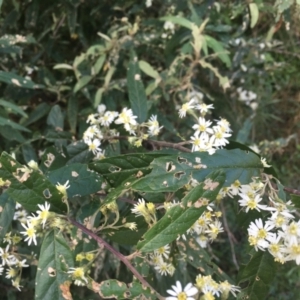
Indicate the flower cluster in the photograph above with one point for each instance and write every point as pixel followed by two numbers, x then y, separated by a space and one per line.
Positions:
pixel 207 137
pixel 100 130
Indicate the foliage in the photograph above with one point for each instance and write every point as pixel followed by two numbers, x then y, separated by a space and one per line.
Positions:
pixel 115 161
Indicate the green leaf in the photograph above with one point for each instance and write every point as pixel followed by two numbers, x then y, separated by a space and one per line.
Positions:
pixel 40 111
pixel 244 132
pixel 258 273
pixel 119 290
pixel 179 21
pixel 62 66
pixel 11 134
pixel 296 200
pixel 81 180
pixel 56 118
pixel 172 172
pixel 82 82
pixel 178 219
pixel 54 261
pixel 98 65
pixel 118 168
pixel 11 107
pixel 4 122
pixel 218 49
pixel 19 81
pixel 148 69
pixel 98 97
pixel 72 112
pixel 79 153
pixel 136 91
pixel 29 153
pixel 254 13
pixel 7 206
pixel 29 189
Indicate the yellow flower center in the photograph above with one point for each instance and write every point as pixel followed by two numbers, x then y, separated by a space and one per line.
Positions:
pixel 262 233
pixel 182 296
pixel 251 203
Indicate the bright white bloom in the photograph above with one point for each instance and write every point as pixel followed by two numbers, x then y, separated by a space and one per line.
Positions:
pixel 140 208
pixel 164 251
pixel 220 137
pixel 162 268
pixel 11 273
pixel 127 118
pixel 63 188
pixel 203 143
pixel 44 213
pixel 291 233
pixel 214 229
pixel 21 264
pixel 202 240
pixel 148 3
pixel 226 287
pixel 259 234
pixel 92 119
pixel 153 126
pixel 204 108
pixel 169 26
pixel 6 256
pixel 101 109
pixel 30 233
pixel 91 132
pixel 185 107
pixel 94 146
pixel 108 118
pixel 203 126
pixel 252 202
pixel 177 293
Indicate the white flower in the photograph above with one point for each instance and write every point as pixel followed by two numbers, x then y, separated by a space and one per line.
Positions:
pixel 108 118
pixel 185 107
pixel 177 293
pixel 94 146
pixel 252 202
pixel 148 3
pixel 162 268
pixel 11 273
pixel 264 162
pixel 6 256
pixel 43 213
pixel 153 126
pixel 214 229
pixel 169 26
pixel 63 188
pixel 164 251
pixel 204 108
pixel 202 240
pixel 101 109
pixel 220 137
pixel 126 117
pixel 203 126
pixel 30 233
pixel 77 274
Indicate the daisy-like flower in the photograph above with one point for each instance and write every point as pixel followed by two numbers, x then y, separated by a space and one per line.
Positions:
pixel 44 212
pixel 140 208
pixel 30 232
pixel 101 109
pixel 214 229
pixel 226 287
pixel 11 273
pixel 177 293
pixel 224 125
pixel 164 251
pixel 259 234
pixel 108 118
pixel 204 108
pixel 252 203
pixel 162 268
pixel 63 188
pixel 185 107
pixel 91 132
pixel 153 126
pixel 16 284
pixel 203 126
pixel 94 146
pixel 264 162
pixel 6 256
pixel 293 253
pixel 21 264
pixel 127 118
pixel 92 119
pixel 77 274
pixel 291 233
pixel 220 137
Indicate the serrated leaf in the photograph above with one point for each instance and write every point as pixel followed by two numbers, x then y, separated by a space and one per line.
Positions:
pixel 218 49
pixel 54 261
pixel 118 168
pixel 179 218
pixel 136 91
pixel 29 189
pixel 254 13
pixel 81 180
pixel 56 118
pixel 7 206
pixel 13 108
pixel 148 69
pixel 179 21
pixel 19 81
pixel 258 273
pixel 116 289
pixel 172 172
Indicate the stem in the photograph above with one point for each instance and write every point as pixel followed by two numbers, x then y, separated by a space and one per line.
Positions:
pixel 291 191
pixel 120 256
pixel 162 144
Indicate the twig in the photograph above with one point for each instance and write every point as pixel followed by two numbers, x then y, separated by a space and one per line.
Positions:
pixel 162 144
pixel 291 191
pixel 120 256
pixel 231 237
